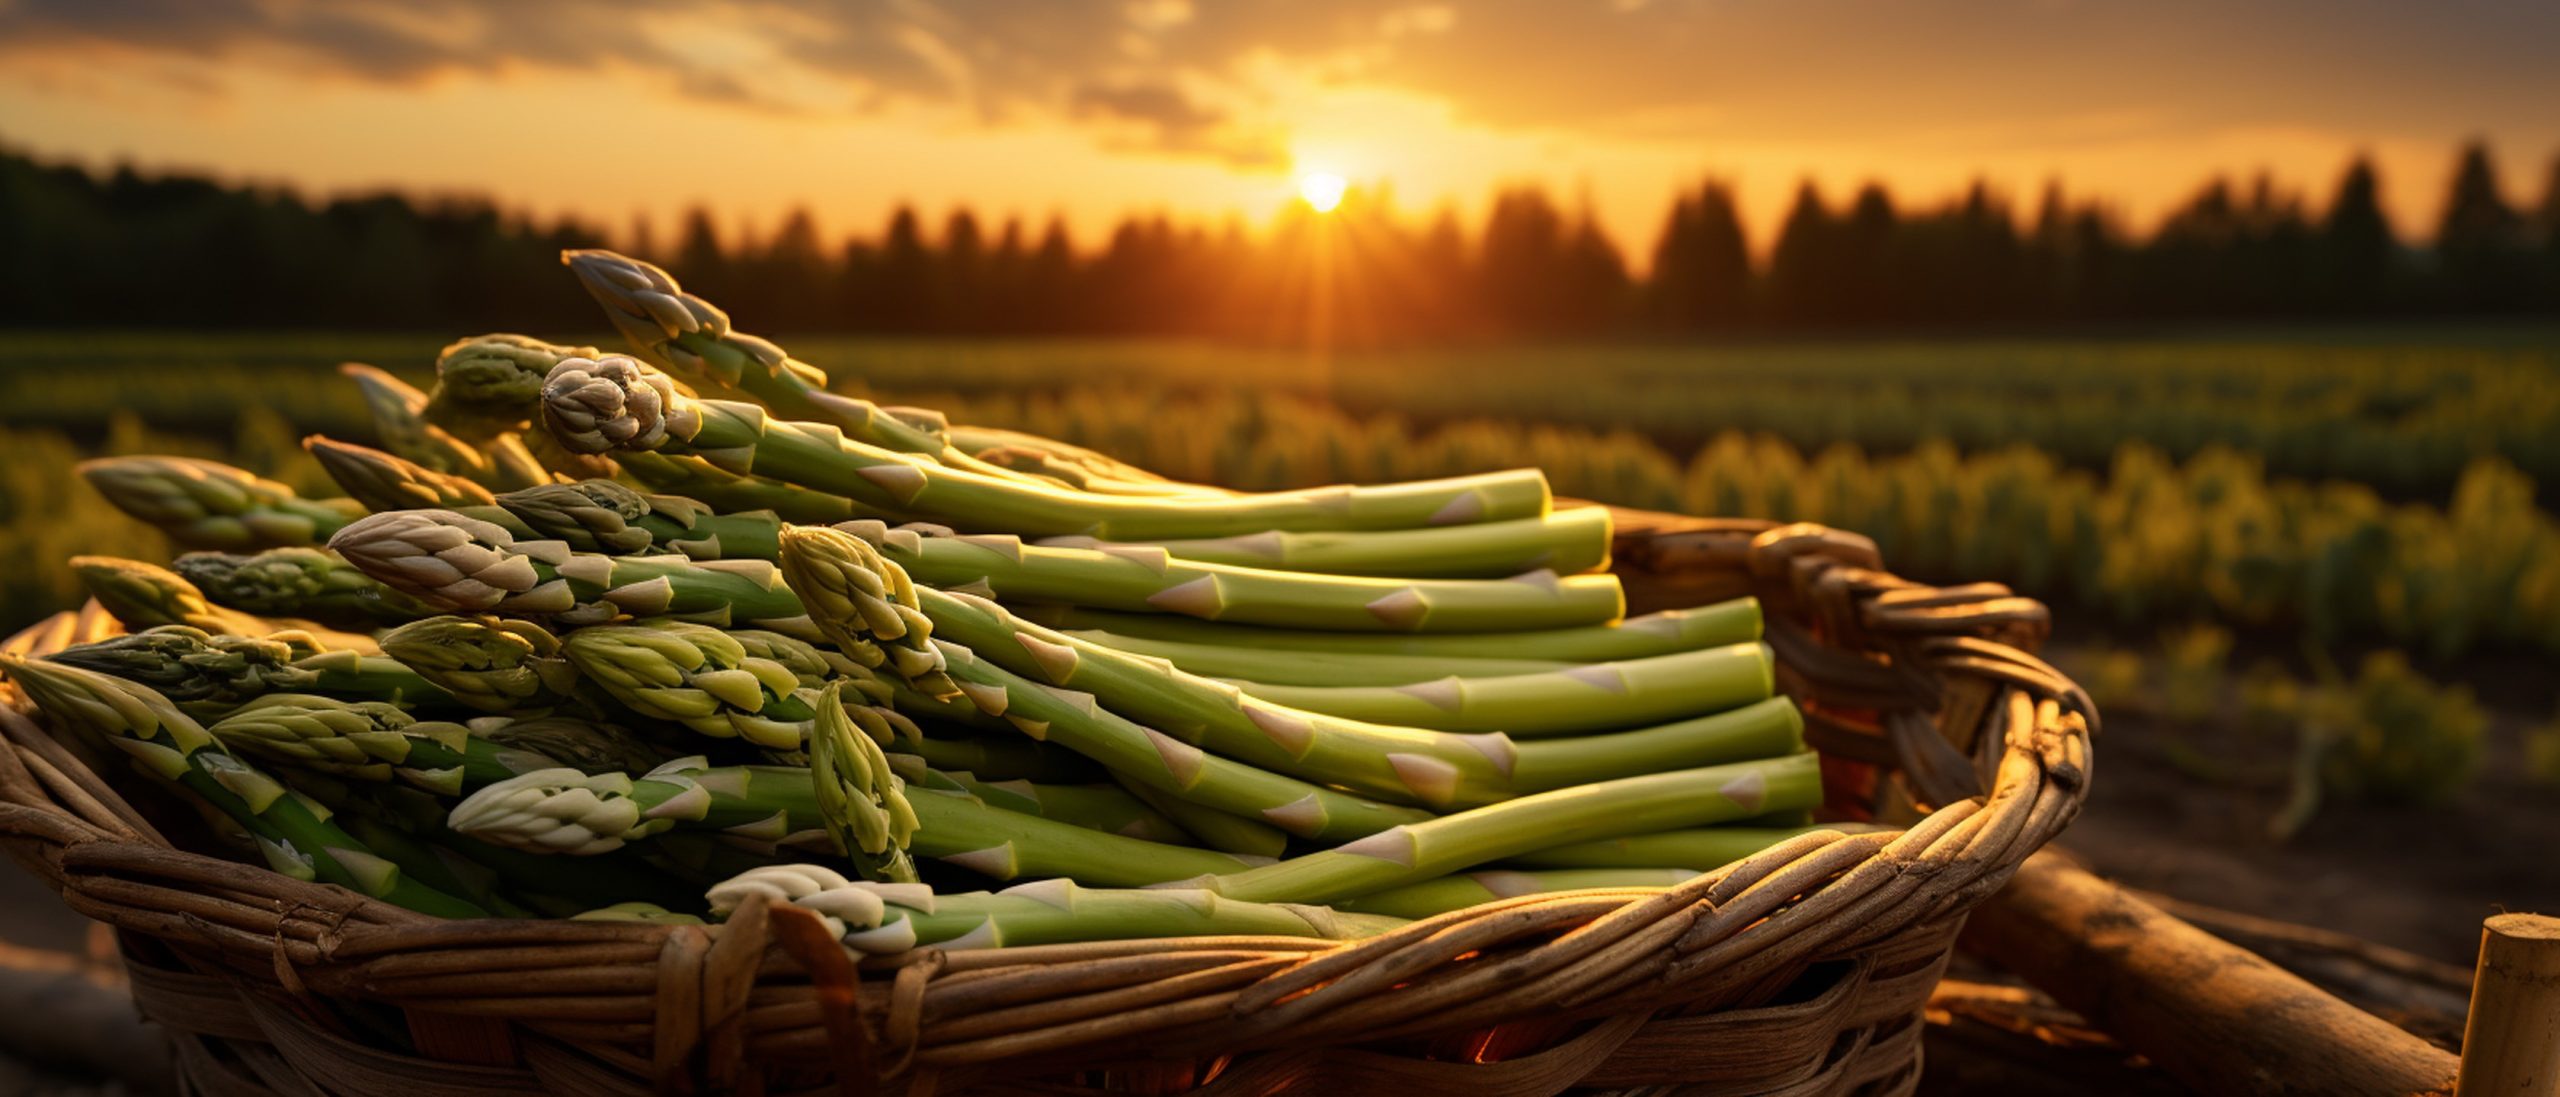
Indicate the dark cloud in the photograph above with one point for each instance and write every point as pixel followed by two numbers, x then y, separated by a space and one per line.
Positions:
pixel 1171 120
pixel 1179 73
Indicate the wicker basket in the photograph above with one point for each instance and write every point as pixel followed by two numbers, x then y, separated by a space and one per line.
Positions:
pixel 1801 970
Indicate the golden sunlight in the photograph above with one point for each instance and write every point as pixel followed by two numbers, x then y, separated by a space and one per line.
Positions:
pixel 1322 190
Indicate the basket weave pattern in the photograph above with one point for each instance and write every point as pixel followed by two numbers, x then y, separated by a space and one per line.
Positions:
pixel 1800 970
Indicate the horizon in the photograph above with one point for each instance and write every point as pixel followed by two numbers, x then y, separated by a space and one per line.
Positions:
pixel 1212 112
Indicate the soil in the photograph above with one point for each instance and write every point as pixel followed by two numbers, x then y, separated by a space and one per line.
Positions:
pixel 2186 811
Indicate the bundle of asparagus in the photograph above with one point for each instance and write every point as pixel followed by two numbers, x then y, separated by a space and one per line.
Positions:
pixel 642 636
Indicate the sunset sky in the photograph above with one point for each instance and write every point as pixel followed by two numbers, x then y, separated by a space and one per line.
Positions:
pixel 1202 108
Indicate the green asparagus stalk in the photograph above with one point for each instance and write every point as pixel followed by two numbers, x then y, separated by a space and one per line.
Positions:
pixel 988 442
pixel 729 493
pixel 301 582
pixel 691 338
pixel 399 417
pixel 888 920
pixel 487 388
pixel 381 482
pixel 207 674
pixel 1454 843
pixel 372 741
pixel 1697 850
pixel 463 565
pixel 1165 763
pixel 492 664
pixel 295 834
pixel 1591 697
pixel 208 504
pixel 603 516
pixel 763 688
pixel 1093 807
pixel 855 595
pixel 1468 889
pixel 1146 579
pixel 618 405
pixel 1662 633
pixel 1215 829
pixel 1048 466
pixel 862 801
pixel 1011 758
pixel 1391 761
pixel 557 886
pixel 141 596
pixel 865 606
pixel 564 811
pixel 1565 542
pixel 1309 668
pixel 489 385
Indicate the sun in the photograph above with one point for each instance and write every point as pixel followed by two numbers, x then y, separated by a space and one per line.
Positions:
pixel 1322 190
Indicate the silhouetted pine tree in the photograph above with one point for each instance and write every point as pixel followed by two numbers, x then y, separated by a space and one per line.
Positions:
pixel 1805 266
pixel 2480 245
pixel 1701 277
pixel 2358 256
pixel 902 282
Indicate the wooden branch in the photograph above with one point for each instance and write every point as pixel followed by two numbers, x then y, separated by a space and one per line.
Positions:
pixel 2213 1015
pixel 2512 1046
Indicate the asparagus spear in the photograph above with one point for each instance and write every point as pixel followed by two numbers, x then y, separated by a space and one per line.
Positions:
pixel 689 337
pixel 760 687
pixel 1661 633
pixel 886 920
pixel 487 388
pixel 372 741
pixel 399 417
pixel 295 834
pixel 380 481
pixel 463 565
pixel 1010 758
pixel 987 442
pixel 303 582
pixel 1395 761
pixel 1591 697
pixel 1146 579
pixel 855 594
pixel 1697 850
pixel 618 405
pixel 558 886
pixel 727 492
pixel 1564 542
pixel 603 516
pixel 141 596
pixel 208 504
pixel 1309 668
pixel 1048 466
pixel 208 674
pixel 1452 843
pixel 564 811
pixel 1093 807
pixel 862 801
pixel 1215 829
pixel 489 385
pixel 1468 889
pixel 493 664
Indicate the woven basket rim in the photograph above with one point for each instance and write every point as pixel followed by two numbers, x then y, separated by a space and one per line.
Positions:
pixel 1938 683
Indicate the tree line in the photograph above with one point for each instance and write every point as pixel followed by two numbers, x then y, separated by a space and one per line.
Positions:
pixel 124 248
